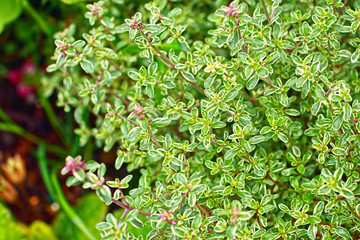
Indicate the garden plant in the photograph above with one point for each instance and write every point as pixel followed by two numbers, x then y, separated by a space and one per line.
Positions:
pixel 235 120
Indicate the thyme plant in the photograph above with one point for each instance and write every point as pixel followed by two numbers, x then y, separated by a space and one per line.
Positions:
pixel 242 117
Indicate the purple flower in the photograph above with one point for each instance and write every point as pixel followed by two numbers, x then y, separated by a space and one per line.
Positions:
pixel 134 24
pixel 28 67
pixel 236 213
pixel 138 111
pixel 166 216
pixel 73 165
pixel 229 10
pixel 15 76
pixel 94 10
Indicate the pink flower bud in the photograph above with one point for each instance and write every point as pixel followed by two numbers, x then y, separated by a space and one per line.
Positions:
pixel 235 212
pixel 28 67
pixel 15 76
pixel 73 165
pixel 229 10
pixel 23 90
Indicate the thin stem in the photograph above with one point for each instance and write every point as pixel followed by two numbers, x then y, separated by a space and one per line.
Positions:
pixel 171 64
pixel 164 62
pixel 181 90
pixel 123 100
pixel 65 206
pixel 165 195
pixel 292 49
pixel 153 138
pixel 197 87
pixel 266 12
pixel 328 91
pixel 6 117
pixel 44 171
pixel 123 205
pixel 42 23
pixel 53 119
pixel 193 106
pixel 268 80
pixel 159 234
pixel 352 210
pixel 277 182
pixel 332 64
pixel 341 10
pixel 203 210
pixel 177 132
pixel 129 120
pixel 16 129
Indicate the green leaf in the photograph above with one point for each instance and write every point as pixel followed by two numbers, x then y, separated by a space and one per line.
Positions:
pixel 174 12
pixel 231 95
pixel 188 76
pixel 52 68
pixel 282 137
pixel 347 193
pixel 209 81
pixel 160 122
pixel 292 112
pixel 103 226
pixel 126 179
pixel 230 154
pixel 9 229
pixel 153 28
pixel 257 139
pixel 342 232
pixel 78 44
pixel 91 211
pixel 104 194
pixel 10 10
pixel 87 66
pixel 178 231
pixel 40 230
pixel 61 60
pixel 134 133
pixel 131 215
pixel 319 207
pixel 338 151
pixel 312 230
pixel 315 108
pixel 338 122
pixel 347 112
pixel 355 56
pixel 262 72
pixel 192 199
pixel 252 82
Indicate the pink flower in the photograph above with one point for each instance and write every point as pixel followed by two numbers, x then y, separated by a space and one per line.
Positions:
pixel 73 165
pixel 134 24
pixel 94 10
pixel 28 67
pixel 138 111
pixel 236 213
pixel 166 216
pixel 172 222
pixel 23 90
pixel 15 76
pixel 229 10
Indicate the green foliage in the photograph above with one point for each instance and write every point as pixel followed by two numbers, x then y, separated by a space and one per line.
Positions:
pixel 90 209
pixel 39 230
pixel 243 119
pixel 9 11
pixel 7 223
